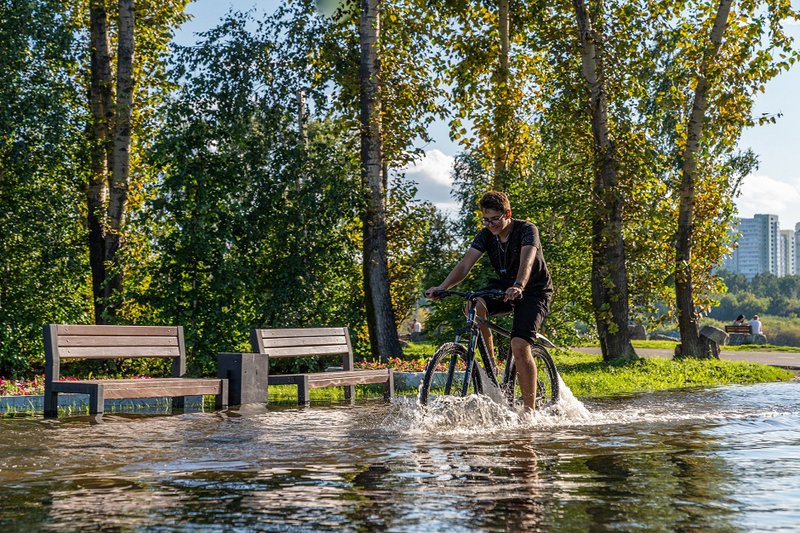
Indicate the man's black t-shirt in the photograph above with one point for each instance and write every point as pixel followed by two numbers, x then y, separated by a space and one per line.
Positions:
pixel 505 256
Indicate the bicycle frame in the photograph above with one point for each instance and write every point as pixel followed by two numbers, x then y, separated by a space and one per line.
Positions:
pixel 476 340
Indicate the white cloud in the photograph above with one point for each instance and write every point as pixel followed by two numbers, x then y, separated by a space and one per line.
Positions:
pixel 433 176
pixel 449 208
pixel 435 166
pixel 765 195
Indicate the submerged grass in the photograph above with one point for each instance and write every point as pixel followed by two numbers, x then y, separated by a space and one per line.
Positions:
pixel 287 394
pixel 589 376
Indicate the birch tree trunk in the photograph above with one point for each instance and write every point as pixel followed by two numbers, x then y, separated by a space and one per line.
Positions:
pixel 120 170
pixel 502 110
pixel 609 276
pixel 688 319
pixel 100 104
pixel 380 316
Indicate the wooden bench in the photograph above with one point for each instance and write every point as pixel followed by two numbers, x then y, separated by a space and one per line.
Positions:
pixel 301 342
pixel 63 342
pixel 739 330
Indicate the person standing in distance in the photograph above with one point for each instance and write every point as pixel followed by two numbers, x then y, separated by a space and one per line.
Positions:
pixel 515 253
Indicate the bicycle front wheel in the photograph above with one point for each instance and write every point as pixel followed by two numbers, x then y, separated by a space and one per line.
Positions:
pixel 445 374
pixel 546 378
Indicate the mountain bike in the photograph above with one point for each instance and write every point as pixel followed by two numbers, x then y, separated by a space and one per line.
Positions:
pixel 458 370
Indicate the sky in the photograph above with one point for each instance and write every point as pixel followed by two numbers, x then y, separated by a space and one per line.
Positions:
pixel 774 188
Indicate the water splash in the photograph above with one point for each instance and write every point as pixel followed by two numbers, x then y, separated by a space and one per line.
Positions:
pixel 571 407
pixel 481 414
pixel 490 413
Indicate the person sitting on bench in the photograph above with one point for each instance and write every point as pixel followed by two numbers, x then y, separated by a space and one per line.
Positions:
pixel 755 326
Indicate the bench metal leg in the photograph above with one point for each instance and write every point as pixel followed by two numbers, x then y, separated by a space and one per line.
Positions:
pixel 302 391
pixel 350 393
pixel 50 404
pixel 178 402
pixel 388 390
pixel 96 400
pixel 221 399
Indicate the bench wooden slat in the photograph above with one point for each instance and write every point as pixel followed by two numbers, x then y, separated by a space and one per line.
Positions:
pixel 95 352
pixel 349 377
pixel 149 331
pixel 144 382
pixel 742 330
pixel 300 351
pixel 299 332
pixel 110 340
pixel 305 341
pixel 145 388
pixel 332 379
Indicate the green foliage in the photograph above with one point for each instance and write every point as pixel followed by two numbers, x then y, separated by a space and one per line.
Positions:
pixel 765 294
pixel 43 266
pixel 410 227
pixel 248 226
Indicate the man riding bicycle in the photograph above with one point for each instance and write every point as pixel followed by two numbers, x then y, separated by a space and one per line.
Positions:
pixel 515 253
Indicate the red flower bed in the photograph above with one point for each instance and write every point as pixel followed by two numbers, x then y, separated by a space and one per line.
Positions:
pixel 35 386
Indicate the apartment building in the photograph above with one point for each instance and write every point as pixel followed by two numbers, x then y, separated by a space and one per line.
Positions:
pixel 759 247
pixel 788 255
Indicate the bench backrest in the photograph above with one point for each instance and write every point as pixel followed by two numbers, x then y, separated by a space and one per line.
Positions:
pixel 743 329
pixel 301 342
pixel 63 341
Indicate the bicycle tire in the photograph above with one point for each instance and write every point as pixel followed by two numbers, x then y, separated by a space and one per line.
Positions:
pixel 546 378
pixel 434 382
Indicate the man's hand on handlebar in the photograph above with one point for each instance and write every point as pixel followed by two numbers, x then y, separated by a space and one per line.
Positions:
pixel 512 293
pixel 432 293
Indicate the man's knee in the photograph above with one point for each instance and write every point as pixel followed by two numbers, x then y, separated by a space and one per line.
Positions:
pixel 519 345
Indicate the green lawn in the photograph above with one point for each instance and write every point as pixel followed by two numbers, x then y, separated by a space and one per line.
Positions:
pixel 669 345
pixel 588 376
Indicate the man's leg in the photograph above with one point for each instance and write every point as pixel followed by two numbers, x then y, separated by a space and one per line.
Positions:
pixel 526 370
pixel 529 313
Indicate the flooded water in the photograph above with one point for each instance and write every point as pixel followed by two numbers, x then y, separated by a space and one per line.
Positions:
pixel 724 459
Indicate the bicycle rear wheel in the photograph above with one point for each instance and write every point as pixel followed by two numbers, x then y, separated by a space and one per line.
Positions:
pixel 546 378
pixel 445 374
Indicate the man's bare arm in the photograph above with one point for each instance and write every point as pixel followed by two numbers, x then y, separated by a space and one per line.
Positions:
pixel 459 272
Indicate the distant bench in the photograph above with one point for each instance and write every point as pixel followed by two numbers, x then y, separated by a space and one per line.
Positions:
pixel 739 330
pixel 302 342
pixel 118 342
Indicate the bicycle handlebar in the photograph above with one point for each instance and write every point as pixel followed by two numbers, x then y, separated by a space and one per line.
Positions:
pixel 470 295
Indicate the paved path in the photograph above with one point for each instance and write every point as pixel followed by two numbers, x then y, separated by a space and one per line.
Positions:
pixel 781 359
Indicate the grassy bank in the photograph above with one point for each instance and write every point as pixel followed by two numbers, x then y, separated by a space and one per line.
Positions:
pixel 670 345
pixel 588 376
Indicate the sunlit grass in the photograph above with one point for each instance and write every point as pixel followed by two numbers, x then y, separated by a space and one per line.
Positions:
pixel 670 345
pixel 588 376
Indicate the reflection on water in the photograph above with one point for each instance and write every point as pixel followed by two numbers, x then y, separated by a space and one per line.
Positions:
pixel 723 459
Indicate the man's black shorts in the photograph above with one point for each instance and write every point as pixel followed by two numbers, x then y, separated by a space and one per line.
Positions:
pixel 529 311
